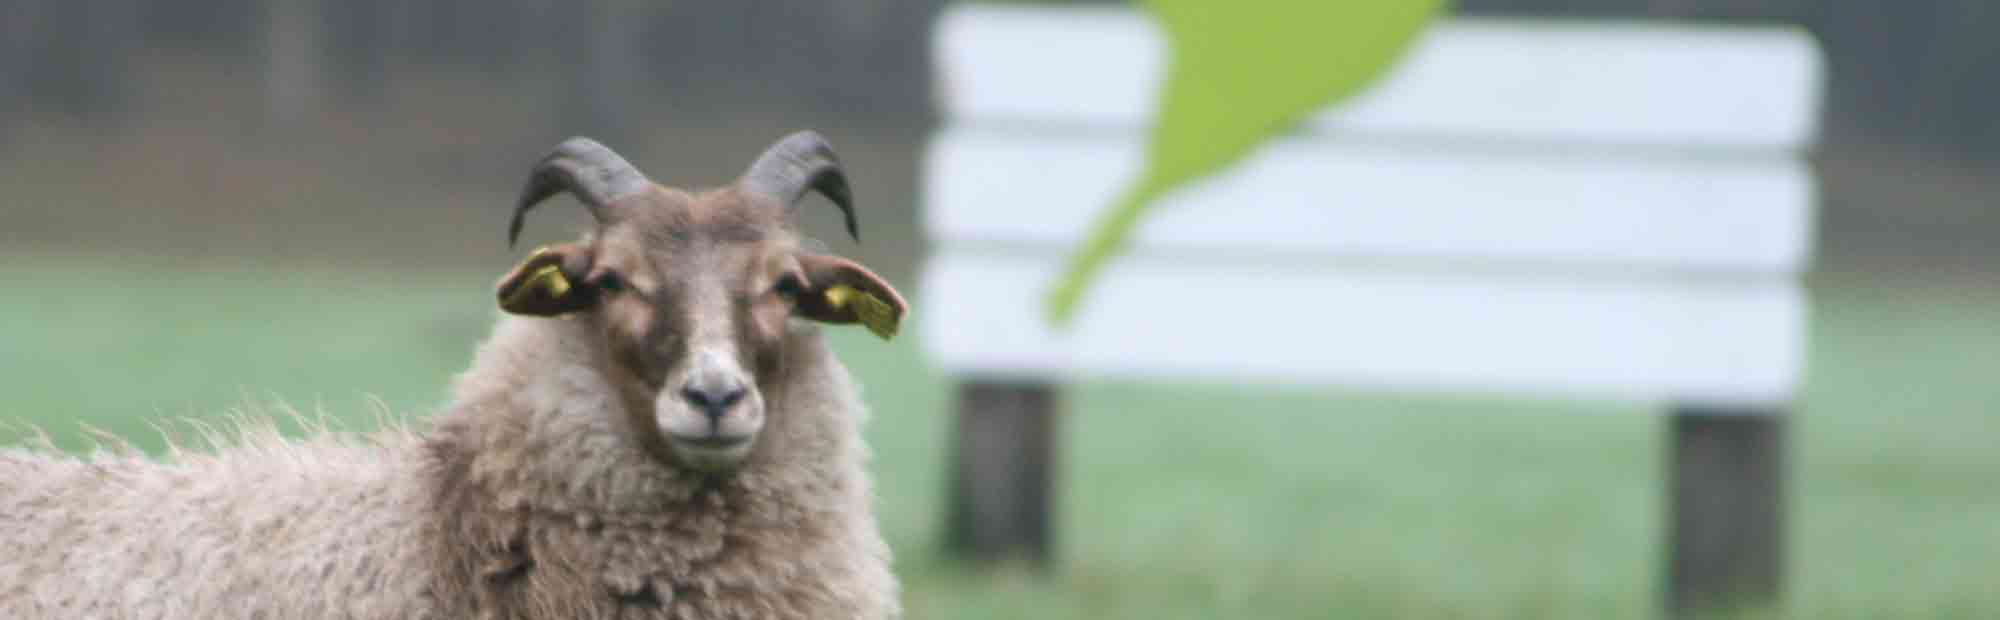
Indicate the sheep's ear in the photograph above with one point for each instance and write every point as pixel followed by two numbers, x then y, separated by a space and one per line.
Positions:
pixel 841 291
pixel 548 283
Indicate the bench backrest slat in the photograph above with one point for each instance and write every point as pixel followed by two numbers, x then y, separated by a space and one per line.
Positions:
pixel 1572 81
pixel 1301 198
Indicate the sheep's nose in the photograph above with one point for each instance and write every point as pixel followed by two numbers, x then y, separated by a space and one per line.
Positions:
pixel 713 398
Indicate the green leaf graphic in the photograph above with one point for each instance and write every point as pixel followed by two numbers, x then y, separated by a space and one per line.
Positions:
pixel 1237 74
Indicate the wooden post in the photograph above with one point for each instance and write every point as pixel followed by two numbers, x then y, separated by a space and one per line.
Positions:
pixel 1002 478
pixel 292 56
pixel 15 46
pixel 604 64
pixel 1726 498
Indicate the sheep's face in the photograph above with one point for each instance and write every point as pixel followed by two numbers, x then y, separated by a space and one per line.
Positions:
pixel 692 296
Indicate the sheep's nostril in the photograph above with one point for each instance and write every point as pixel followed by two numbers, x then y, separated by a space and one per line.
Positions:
pixel 713 399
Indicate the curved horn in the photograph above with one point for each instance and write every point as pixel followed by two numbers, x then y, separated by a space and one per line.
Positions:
pixel 584 168
pixel 799 162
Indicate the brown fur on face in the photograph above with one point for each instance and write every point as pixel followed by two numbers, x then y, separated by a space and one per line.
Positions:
pixel 691 294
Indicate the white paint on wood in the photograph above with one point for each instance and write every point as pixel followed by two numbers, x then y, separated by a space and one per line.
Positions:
pixel 1543 207
pixel 1689 340
pixel 1592 82
pixel 1747 215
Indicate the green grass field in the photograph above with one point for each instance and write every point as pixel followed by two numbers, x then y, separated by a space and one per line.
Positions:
pixel 1177 501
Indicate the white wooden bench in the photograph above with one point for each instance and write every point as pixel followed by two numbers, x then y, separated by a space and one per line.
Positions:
pixel 1568 208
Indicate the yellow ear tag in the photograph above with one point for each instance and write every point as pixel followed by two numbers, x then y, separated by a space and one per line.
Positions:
pixel 548 278
pixel 874 313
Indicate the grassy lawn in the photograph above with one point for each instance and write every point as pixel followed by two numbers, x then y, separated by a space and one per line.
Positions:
pixel 1177 501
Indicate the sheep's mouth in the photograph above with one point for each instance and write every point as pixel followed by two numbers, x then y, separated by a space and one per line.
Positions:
pixel 714 442
pixel 711 453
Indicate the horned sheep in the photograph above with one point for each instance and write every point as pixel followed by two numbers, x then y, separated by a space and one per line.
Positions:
pixel 654 429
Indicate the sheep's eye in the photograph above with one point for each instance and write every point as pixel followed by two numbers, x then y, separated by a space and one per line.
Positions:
pixel 789 286
pixel 609 282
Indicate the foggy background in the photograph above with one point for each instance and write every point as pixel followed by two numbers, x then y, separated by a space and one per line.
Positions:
pixel 208 202
pixel 330 130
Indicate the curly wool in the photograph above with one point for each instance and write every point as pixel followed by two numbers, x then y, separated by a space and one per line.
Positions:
pixel 528 498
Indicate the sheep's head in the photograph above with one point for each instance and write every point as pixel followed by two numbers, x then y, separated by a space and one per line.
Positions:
pixel 692 292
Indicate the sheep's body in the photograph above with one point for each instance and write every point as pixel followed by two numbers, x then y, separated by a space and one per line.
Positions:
pixel 563 514
pixel 316 529
pixel 524 500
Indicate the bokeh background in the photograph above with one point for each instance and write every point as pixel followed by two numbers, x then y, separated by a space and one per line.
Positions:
pixel 214 204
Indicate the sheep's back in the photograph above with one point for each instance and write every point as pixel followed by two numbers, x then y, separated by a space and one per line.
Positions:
pixel 285 531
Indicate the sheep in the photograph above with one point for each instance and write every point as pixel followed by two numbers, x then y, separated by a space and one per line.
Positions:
pixel 654 429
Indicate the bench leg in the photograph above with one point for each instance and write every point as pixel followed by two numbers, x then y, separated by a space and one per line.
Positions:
pixel 1003 468
pixel 1726 488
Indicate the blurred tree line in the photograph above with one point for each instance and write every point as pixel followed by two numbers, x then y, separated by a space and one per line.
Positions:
pixel 447 96
pixel 865 59
pixel 1916 72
